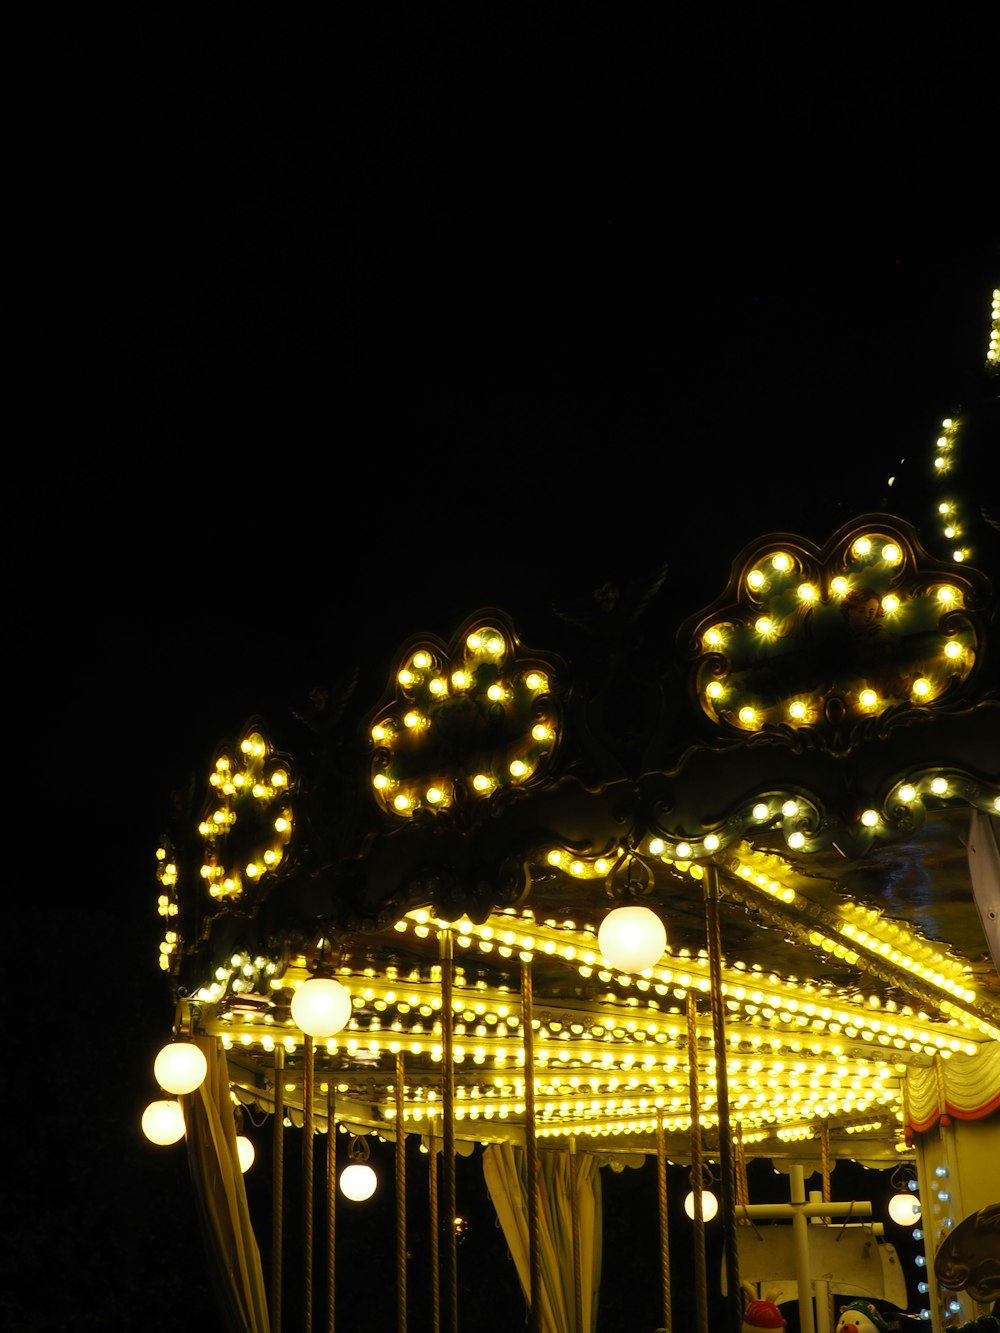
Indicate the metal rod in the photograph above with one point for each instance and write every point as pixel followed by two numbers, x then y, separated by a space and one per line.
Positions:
pixel 661 1197
pixel 277 1188
pixel 448 1127
pixel 331 1204
pixel 400 1197
pixel 574 1204
pixel 700 1271
pixel 307 1185
pixel 432 1198
pixel 531 1148
pixel 727 1168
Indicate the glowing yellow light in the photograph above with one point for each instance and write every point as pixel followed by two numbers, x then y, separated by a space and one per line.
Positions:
pixel 868 699
pixel 781 562
pixel 869 818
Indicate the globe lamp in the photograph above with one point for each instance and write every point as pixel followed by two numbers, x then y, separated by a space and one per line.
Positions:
pixel 321 1007
pixel 632 938
pixel 358 1181
pixel 163 1122
pixel 904 1209
pixel 709 1205
pixel 180 1067
pixel 245 1151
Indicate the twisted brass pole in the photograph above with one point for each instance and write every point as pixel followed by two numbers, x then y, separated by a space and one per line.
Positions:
pixel 432 1197
pixel 727 1170
pixel 307 1185
pixel 574 1204
pixel 448 1136
pixel 697 1168
pixel 400 1199
pixel 661 1198
pixel 531 1147
pixel 277 1188
pixel 331 1204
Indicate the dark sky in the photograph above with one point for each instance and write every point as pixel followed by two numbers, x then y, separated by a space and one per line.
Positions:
pixel 343 325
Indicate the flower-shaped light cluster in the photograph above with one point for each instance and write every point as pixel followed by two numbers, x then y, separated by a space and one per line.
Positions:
pixel 464 723
pixel 248 821
pixel 864 629
pixel 167 905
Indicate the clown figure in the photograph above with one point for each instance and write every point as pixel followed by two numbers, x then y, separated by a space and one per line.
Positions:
pixel 762 1315
pixel 861 1317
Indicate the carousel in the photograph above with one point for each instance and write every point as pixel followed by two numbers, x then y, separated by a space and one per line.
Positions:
pixel 696 886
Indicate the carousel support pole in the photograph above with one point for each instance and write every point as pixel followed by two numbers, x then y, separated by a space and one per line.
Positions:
pixel 800 1243
pixel 531 1148
pixel 824 1300
pixel 697 1168
pixel 734 1294
pixel 400 1197
pixel 331 1204
pixel 307 1185
pixel 432 1204
pixel 446 947
pixel 661 1196
pixel 277 1187
pixel 574 1203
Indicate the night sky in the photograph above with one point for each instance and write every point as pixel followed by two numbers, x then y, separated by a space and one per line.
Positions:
pixel 344 325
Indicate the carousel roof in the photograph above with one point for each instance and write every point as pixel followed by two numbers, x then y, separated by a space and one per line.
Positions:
pixel 809 765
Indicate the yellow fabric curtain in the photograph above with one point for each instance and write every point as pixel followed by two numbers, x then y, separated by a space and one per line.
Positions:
pixel 965 1086
pixel 221 1197
pixel 568 1183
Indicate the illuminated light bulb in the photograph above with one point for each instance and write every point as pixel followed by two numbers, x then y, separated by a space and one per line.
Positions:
pixel 781 562
pixel 869 818
pixel 922 687
pixel 714 689
pixel 760 811
pixel 180 1067
pixel 907 793
pixel 632 938
pixel 358 1181
pixel 764 626
pixel 321 1007
pixel 952 649
pixel 891 553
pixel 796 839
pixel 755 580
pixel 868 699
pixel 904 1209
pixel 709 1205
pixel 748 716
pixel 947 594
pixel 245 1151
pixel 807 593
pixel 797 710
pixel 163 1122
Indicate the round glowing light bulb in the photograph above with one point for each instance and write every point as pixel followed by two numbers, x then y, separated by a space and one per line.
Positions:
pixel 321 1007
pixel 904 1209
pixel 180 1067
pixel 245 1151
pixel 632 938
pixel 163 1122
pixel 709 1205
pixel 358 1181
